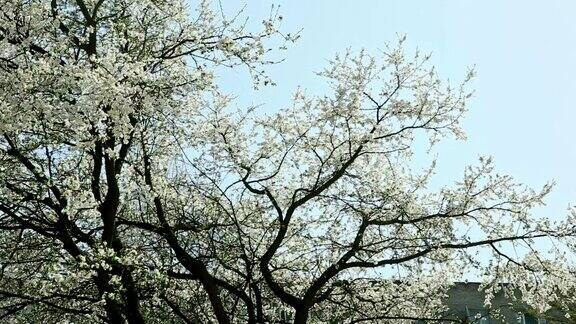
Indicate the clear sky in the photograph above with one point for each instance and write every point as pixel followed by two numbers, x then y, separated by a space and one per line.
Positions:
pixel 523 111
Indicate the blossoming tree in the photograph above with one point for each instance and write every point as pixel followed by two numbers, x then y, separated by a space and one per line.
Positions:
pixel 131 192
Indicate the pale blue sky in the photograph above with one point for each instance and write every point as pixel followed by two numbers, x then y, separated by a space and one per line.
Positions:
pixel 525 56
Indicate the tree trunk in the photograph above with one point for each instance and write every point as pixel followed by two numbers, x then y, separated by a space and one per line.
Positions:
pixel 301 315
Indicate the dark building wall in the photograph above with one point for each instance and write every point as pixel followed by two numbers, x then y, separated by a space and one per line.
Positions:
pixel 465 300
